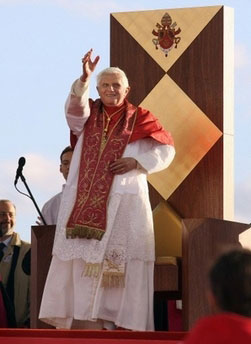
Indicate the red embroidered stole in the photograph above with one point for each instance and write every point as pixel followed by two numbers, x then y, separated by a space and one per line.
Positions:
pixel 88 217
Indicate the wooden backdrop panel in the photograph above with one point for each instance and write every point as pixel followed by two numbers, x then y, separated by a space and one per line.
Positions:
pixel 199 71
pixel 201 68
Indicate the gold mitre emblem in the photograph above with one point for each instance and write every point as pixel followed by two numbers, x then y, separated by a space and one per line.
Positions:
pixel 166 34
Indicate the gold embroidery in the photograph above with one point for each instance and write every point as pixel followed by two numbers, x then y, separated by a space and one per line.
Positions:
pixel 113 272
pixel 92 270
pixel 113 280
pixel 95 178
pixel 84 232
pixel 97 201
pixel 82 199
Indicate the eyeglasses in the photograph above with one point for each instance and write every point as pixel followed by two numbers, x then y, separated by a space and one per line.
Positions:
pixel 6 213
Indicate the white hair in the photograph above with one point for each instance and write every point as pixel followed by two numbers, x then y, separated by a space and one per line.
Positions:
pixel 113 70
pixel 7 201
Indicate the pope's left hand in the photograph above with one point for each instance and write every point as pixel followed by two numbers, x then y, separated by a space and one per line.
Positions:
pixel 123 165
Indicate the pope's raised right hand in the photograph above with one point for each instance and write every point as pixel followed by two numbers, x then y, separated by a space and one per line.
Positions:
pixel 88 65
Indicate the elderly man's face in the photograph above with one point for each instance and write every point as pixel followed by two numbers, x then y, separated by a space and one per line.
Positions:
pixel 111 90
pixel 7 218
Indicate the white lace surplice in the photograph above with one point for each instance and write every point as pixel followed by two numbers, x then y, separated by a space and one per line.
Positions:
pixel 129 217
pixel 129 239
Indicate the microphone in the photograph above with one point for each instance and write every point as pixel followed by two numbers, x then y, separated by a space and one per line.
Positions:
pixel 21 163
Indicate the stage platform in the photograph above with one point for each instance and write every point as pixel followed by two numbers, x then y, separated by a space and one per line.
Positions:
pixel 44 336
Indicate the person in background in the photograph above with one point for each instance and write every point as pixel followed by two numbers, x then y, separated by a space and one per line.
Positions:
pixel 14 264
pixel 101 275
pixel 230 298
pixel 51 207
pixel 7 313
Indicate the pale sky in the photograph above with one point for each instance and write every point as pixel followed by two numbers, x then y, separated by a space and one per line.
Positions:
pixel 42 42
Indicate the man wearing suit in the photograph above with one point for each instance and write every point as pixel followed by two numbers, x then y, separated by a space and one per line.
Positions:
pixel 14 264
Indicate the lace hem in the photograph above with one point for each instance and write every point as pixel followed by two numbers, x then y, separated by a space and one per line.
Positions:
pixel 128 232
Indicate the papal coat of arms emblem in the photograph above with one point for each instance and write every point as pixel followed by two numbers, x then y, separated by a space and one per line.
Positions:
pixel 166 34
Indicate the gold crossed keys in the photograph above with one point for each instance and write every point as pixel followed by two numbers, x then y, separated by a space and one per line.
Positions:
pixel 166 34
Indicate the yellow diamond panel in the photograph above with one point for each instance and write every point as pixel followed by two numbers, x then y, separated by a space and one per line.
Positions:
pixel 191 21
pixel 245 238
pixel 194 134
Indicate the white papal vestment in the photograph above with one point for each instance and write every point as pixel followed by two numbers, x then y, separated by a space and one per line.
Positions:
pixel 69 292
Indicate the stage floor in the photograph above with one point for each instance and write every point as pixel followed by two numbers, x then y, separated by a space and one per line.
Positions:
pixel 40 336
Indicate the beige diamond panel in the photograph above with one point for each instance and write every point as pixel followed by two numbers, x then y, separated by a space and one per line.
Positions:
pixel 194 134
pixel 141 24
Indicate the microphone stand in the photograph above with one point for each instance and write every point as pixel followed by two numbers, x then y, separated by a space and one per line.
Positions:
pixel 32 198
